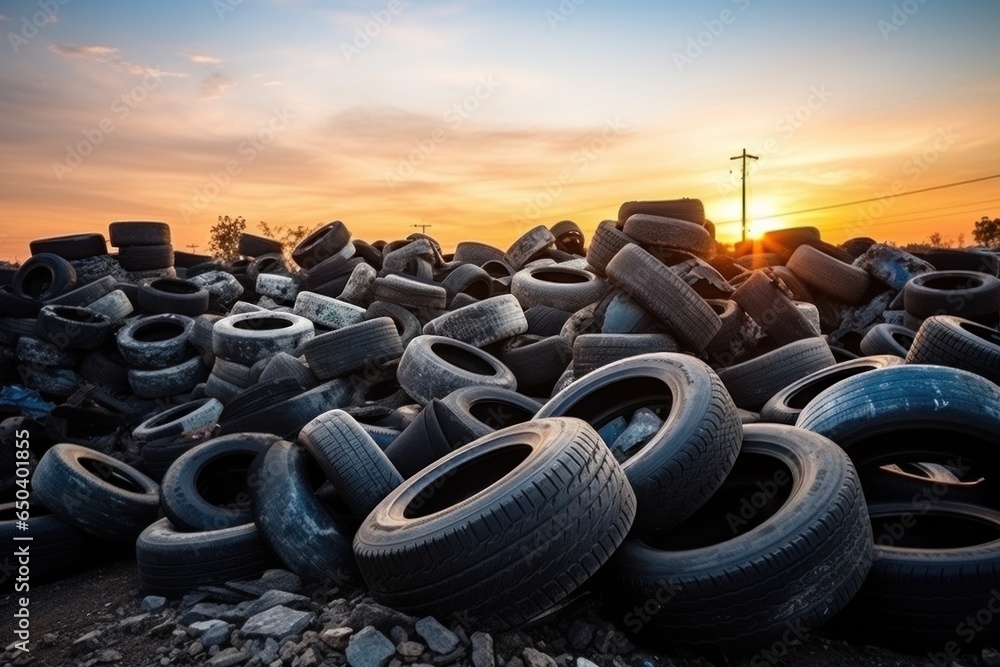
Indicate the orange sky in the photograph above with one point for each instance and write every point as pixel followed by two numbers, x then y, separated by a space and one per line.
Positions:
pixel 440 120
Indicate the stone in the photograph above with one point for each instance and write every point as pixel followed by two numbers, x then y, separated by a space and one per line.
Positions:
pixel 614 428
pixel 153 603
pixel 369 648
pixel 336 637
pixel 277 622
pixel 273 598
pixel 228 658
pixel 535 658
pixel 206 611
pixel 438 638
pixel 381 618
pixel 133 623
pixel 308 658
pixel 86 643
pixel 282 580
pixel 162 629
pixel 644 424
pixel 108 655
pixel 216 635
pixel 583 662
pixel 195 648
pixel 448 658
pixel 269 652
pixel 991 657
pixel 408 649
pixel 482 650
pixel 398 635
pixel 580 635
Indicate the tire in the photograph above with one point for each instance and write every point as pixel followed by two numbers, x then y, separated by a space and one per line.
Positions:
pixel 556 286
pixel 283 289
pixel 892 266
pixel 250 245
pixel 336 266
pixel 57 549
pixel 789 283
pixel 819 271
pixel 146 257
pixel 752 383
pixel 653 230
pixel 536 361
pixel 759 260
pixel 95 492
pixel 106 370
pixel 223 289
pixel 327 312
pixel 950 341
pixel 207 487
pixel 74 246
pixel 156 341
pixel 321 244
pixel 800 553
pixel 473 252
pixel 678 468
pixel 360 287
pixel 625 315
pixel 234 373
pixel 170 381
pixel 351 460
pixel 469 279
pixel 187 260
pixel 783 242
pixel 44 277
pixel 607 241
pixel 300 529
pixel 193 415
pixel 115 305
pixel 250 337
pixel 785 406
pixel 434 366
pixel 526 514
pixel 967 294
pixel 219 389
pixel 14 307
pixel 666 295
pixel 481 323
pixel 172 563
pixel 284 365
pixel 124 234
pixel 545 320
pixel 173 295
pixel 410 292
pixel 858 245
pixel 888 339
pixel 352 348
pixel 73 327
pixel 691 210
pixel 35 352
pixel 483 410
pixel 592 351
pixel 285 418
pixel 57 382
pixel 529 246
pixel 768 306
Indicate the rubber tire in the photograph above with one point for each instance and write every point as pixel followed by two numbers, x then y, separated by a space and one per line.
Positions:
pixel 44 277
pixel 115 510
pixel 967 294
pixel 138 233
pixel 608 240
pixel 654 230
pixel 557 286
pixel 526 515
pixel 250 245
pixel 545 320
pixel 473 252
pixel 592 351
pixel 752 383
pixel 170 381
pixel 945 340
pixel 223 289
pixel 73 327
pixel 887 339
pixel 795 569
pixel 173 295
pixel 691 210
pixel 818 270
pixel 220 462
pixel 425 374
pixel 56 548
pixel 468 279
pixel 321 244
pixel 115 305
pixel 529 246
pixel 197 414
pixel 483 410
pixel 327 312
pixel 286 417
pixel 249 337
pixel 481 323
pixel 35 352
pixel 284 365
pixel 410 292
pixel 73 246
pixel 666 295
pixel 686 461
pixel 146 257
pixel 352 348
pixel 536 361
pixel 155 341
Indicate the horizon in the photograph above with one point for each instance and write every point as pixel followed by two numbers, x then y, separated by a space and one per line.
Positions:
pixel 483 119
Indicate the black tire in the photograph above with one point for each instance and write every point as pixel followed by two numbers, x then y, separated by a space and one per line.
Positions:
pixel 592 351
pixel 607 241
pixel 473 252
pixel 799 553
pixel 124 234
pixel 282 289
pixel 74 246
pixel 249 337
pixel 887 339
pixel 526 516
pixel 250 245
pixel 481 323
pixel 434 366
pixel 678 468
pixel 284 365
pixel 410 292
pixel 106 370
pixel 823 273
pixel 321 244
pixel 298 527
pixel 187 260
pixel 752 383
pixel 358 468
pixel 407 324
pixel 569 237
pixel 545 320
pixel 536 361
pixel 115 305
pixel 785 406
pixel 950 341
pixel 529 246
pixel 666 295
pixel 561 287
pixel 169 381
pixel 73 327
pixel 156 341
pixel 193 415
pixel 654 230
pixel 14 307
pixel 146 257
pixel 56 549
pixel 172 563
pixel 783 242
pixel 967 294
pixel 173 295
pixel 691 210
pixel 207 487
pixel 285 418
pixel 44 277
pixel 483 410
pixel 351 348
pixel 327 312
pixel 223 289
pixel 469 279
pixel 95 492
pixel 234 373
pixel 37 352
pixel 337 266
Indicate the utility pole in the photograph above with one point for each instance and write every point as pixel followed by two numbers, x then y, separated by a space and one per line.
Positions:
pixel 423 228
pixel 193 246
pixel 744 157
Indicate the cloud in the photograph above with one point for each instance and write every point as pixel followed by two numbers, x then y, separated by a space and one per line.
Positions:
pixel 202 58
pixel 271 83
pixel 112 56
pixel 4 18
pixel 215 85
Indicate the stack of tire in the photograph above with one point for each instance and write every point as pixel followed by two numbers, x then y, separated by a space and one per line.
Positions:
pixel 143 247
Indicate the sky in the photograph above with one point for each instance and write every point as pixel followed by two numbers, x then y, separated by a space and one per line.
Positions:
pixel 483 119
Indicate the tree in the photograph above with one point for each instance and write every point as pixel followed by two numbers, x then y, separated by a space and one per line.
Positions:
pixel 936 240
pixel 225 238
pixel 987 232
pixel 289 237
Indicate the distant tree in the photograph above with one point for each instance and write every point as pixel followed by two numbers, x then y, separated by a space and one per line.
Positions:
pixel 288 236
pixel 987 232
pixel 935 240
pixel 225 238
pixel 961 239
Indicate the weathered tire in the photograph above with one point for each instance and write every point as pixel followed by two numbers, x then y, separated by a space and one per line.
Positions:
pixel 410 292
pixel 125 233
pixel 175 421
pixel 156 341
pixel 36 352
pixel 529 246
pixel 146 257
pixel 473 252
pixel 73 327
pixel 483 410
pixel 789 524
pixel 829 275
pixel 321 244
pixel 115 305
pixel 468 279
pixel 250 245
pixel 73 246
pixel 771 308
pixel 223 289
pixel 169 381
pixel 654 230
pixel 967 294
pixel 752 383
pixel 481 323
pixel 678 468
pixel 407 324
pixel 561 287
pixel 351 348
pixel 286 417
pixel 592 351
pixel 945 340
pixel 250 337
pixel 607 241
pixel 434 366
pixel 691 210
pixel 95 492
pixel 56 549
pixel 526 514
pixel 327 312
pixel 887 339
pixel 44 277
pixel 536 361
pixel 173 295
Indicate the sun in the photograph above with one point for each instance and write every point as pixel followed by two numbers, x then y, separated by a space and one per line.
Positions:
pixel 759 216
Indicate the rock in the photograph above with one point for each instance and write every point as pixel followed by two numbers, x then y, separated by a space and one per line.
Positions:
pixel 482 650
pixel 336 613
pixel 206 611
pixel 411 650
pixel 153 603
pixel 438 638
pixel 216 635
pixel 277 622
pixel 535 658
pixel 86 643
pixel 336 637
pixel 133 623
pixel 381 618
pixel 269 652
pixel 273 598
pixel 580 635
pixel 250 589
pixel 308 658
pixel 282 580
pixel 108 655
pixel 583 662
pixel 644 424
pixel 195 648
pixel 369 648
pixel 228 658
pixel 162 629
pixel 991 657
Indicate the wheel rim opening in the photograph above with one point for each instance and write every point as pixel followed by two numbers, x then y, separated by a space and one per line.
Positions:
pixel 466 481
pixel 262 323
pixel 157 331
pixel 980 331
pixel 463 358
pixel 564 277
pixel 953 283
pixel 937 529
pixel 175 286
pixel 222 482
pixel 753 492
pixel 81 315
pixel 38 281
pixel 799 399
pixel 179 412
pixel 973 454
pixel 498 414
pixel 110 475
pixel 906 340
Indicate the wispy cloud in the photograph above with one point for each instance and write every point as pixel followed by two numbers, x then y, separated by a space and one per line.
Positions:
pixel 112 56
pixel 202 58
pixel 4 17
pixel 267 84
pixel 215 85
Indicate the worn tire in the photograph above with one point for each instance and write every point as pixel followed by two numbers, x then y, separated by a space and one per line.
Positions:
pixel 351 348
pixel 967 294
pixel 198 414
pixel 321 244
pixel 44 277
pixel 561 287
pixel 654 230
pixel 73 246
pixel 752 383
pixel 945 340
pixel 592 351
pixel 73 327
pixel 607 241
pixel 249 337
pixel 173 295
pixel 481 323
pixel 887 339
pixel 434 366
pixel 529 246
pixel 126 233
pixel 691 210
pixel 156 341
pixel 146 257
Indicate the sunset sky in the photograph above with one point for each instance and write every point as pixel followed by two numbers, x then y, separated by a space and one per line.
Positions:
pixel 484 118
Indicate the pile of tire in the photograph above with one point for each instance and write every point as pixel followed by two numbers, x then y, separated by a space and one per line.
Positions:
pixel 728 449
